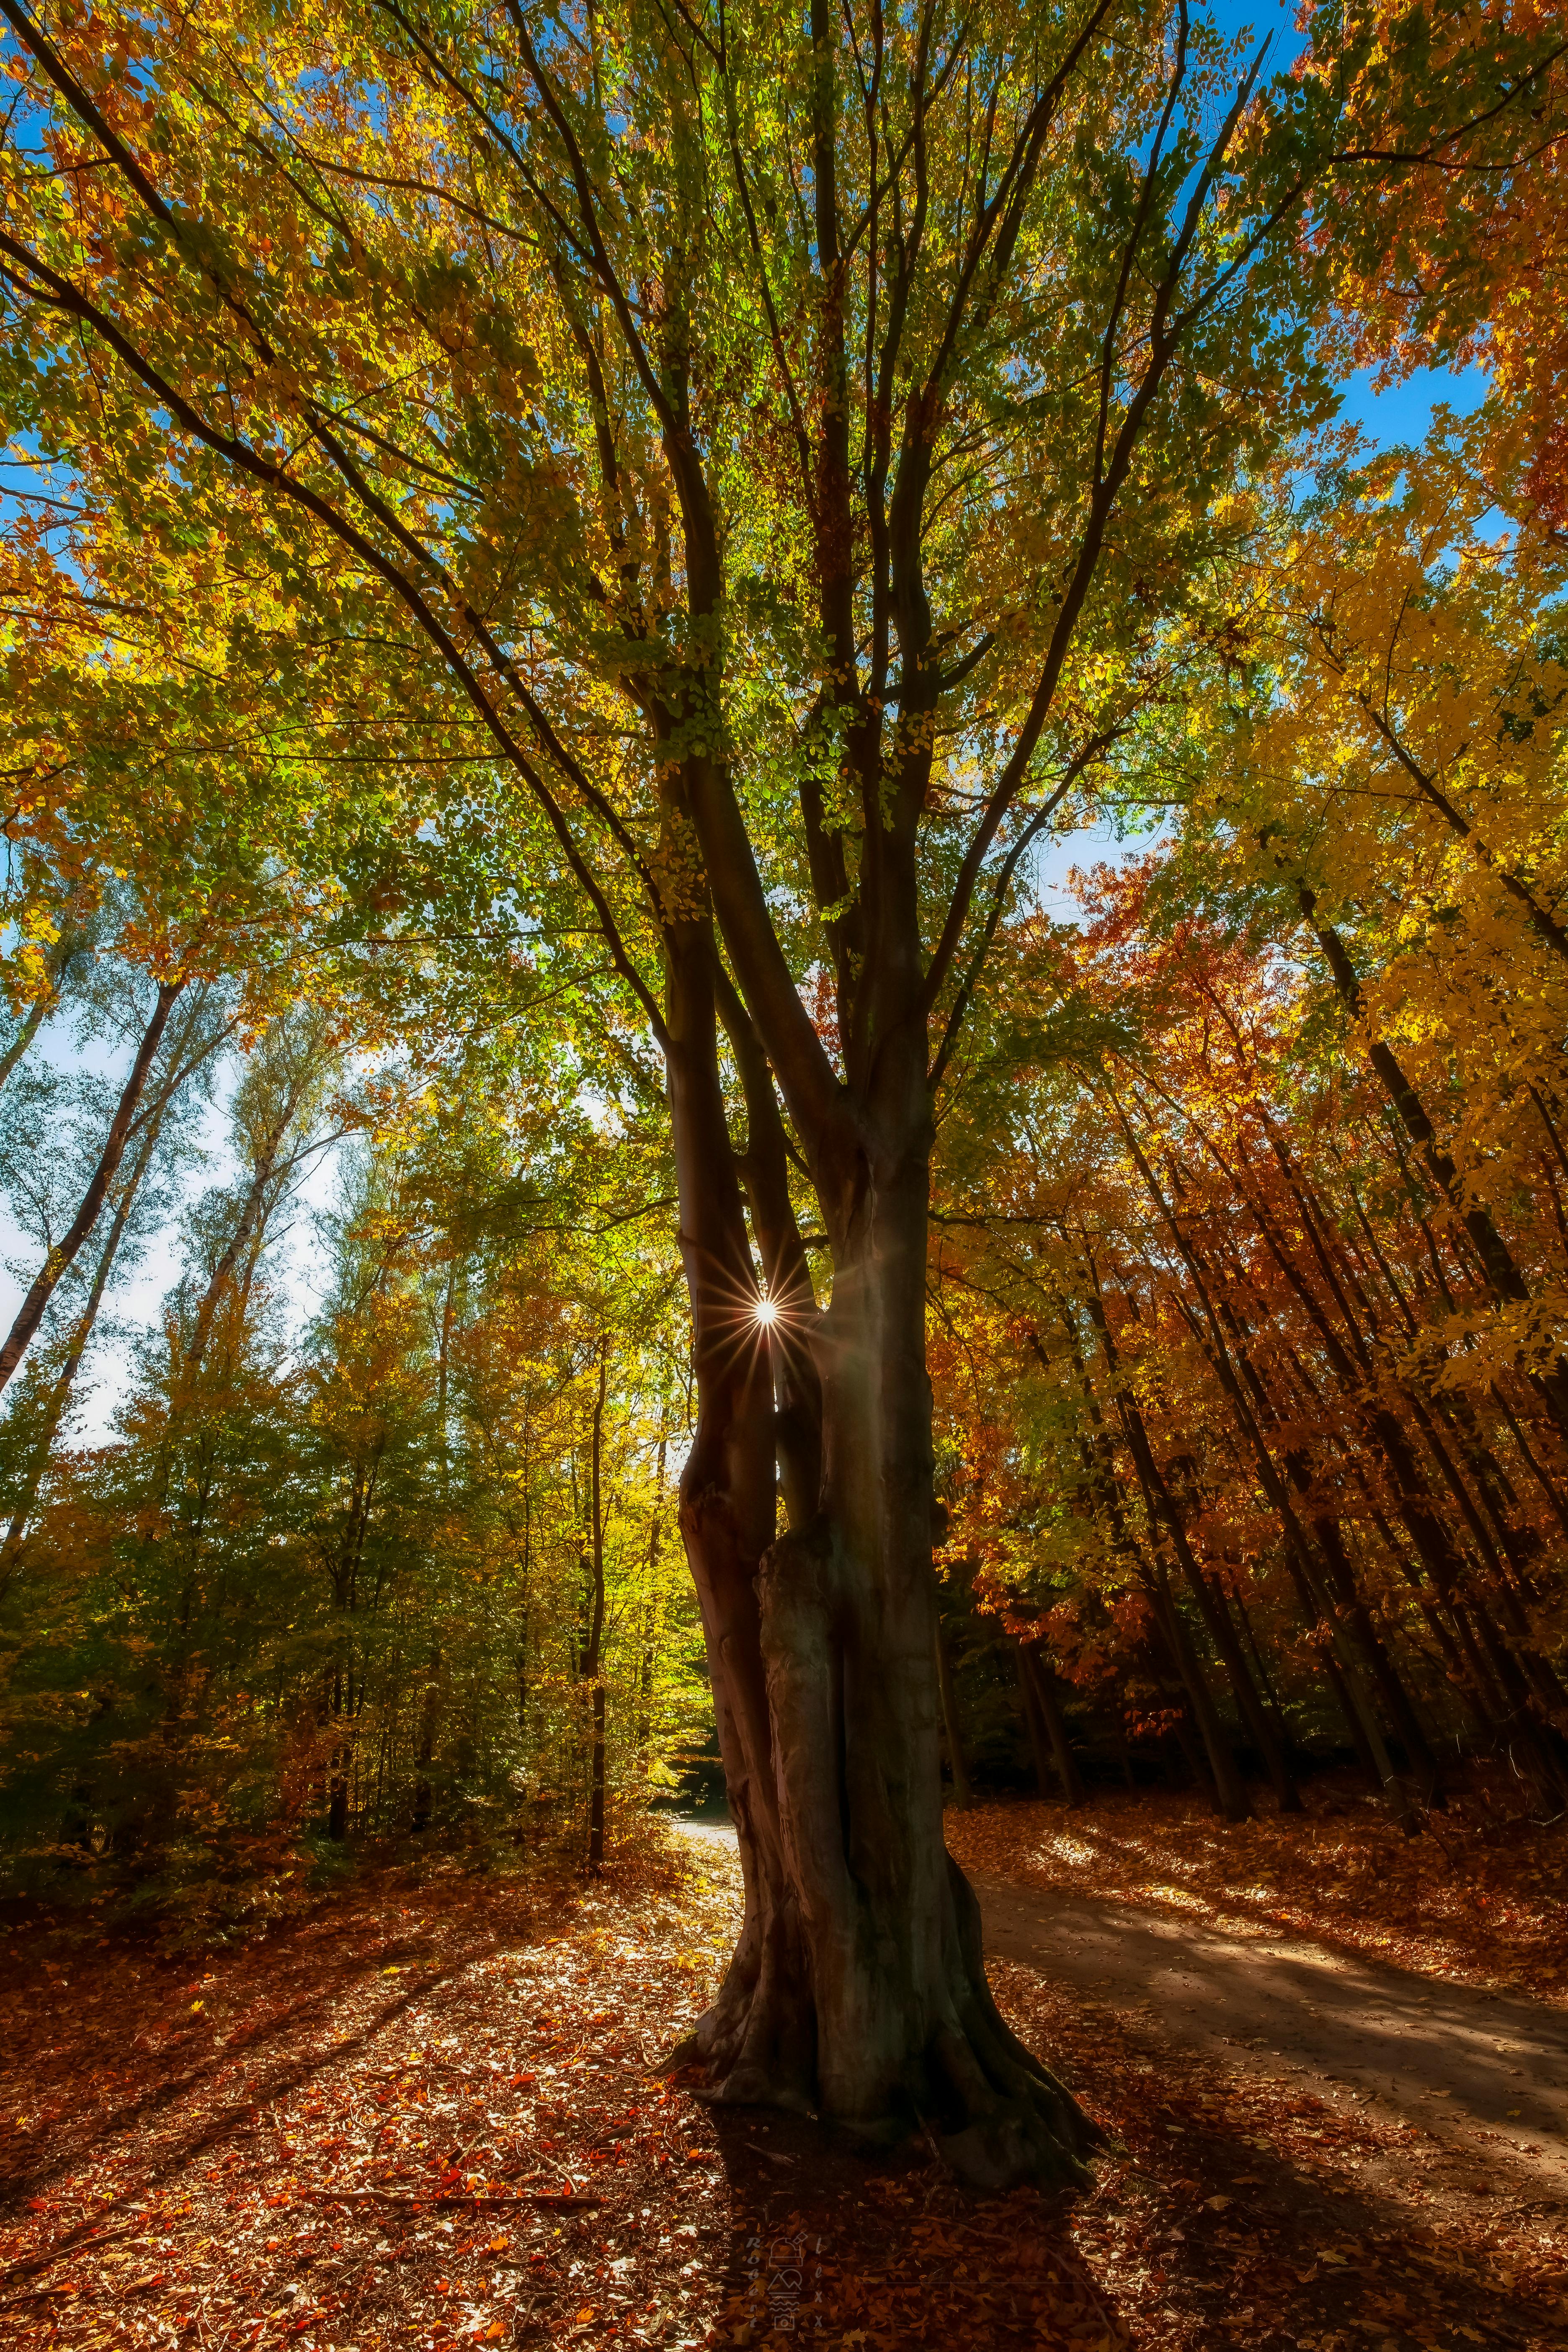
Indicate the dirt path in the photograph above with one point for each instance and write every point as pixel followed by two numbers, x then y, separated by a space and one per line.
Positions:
pixel 1485 2074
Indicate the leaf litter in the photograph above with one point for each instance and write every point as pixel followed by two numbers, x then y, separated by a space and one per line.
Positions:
pixel 381 2125
pixel 1480 1899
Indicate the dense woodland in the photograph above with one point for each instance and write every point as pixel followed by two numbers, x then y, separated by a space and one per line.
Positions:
pixel 571 582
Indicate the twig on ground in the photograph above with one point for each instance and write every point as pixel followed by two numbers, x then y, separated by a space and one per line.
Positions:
pixel 557 2198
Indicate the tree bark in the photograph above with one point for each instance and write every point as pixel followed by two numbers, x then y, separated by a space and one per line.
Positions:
pixel 1229 1788
pixel 1342 1673
pixel 70 945
pixel 38 1013
pixel 424 1794
pixel 857 1989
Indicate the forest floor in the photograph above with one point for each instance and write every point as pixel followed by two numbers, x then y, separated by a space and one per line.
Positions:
pixel 429 2113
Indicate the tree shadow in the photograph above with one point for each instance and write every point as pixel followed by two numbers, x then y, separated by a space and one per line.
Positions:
pixel 124 2070
pixel 833 2241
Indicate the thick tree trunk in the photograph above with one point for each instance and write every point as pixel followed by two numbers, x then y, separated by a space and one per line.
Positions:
pixel 856 1991
pixel 904 2026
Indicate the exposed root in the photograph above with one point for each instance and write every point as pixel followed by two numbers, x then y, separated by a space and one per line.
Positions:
pixel 994 2114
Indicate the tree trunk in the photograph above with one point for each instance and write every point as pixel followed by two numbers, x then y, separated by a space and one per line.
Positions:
pixel 31 1312
pixel 423 1795
pixel 36 1015
pixel 1161 1505
pixel 857 1987
pixel 58 1399
pixel 70 946
pixel 596 1783
pixel 249 1215
pixel 1038 1686
pixel 1039 1748
pixel 1397 1703
pixel 592 1660
pixel 1230 1789
pixel 952 1736
pixel 1502 1275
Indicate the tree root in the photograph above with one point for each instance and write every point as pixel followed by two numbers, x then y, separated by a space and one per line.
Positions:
pixel 988 2108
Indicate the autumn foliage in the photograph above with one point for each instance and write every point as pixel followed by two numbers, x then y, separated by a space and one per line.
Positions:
pixel 755 851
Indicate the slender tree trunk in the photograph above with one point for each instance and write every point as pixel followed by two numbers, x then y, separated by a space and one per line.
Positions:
pixel 1230 1789
pixel 1344 1675
pixel 66 949
pixel 1161 1505
pixel 651 1620
pixel 31 1312
pixel 592 1663
pixel 60 1396
pixel 952 1732
pixel 1214 1611
pixel 1398 1706
pixel 36 1015
pixel 424 1794
pixel 1503 1278
pixel 1039 1749
pixel 221 1273
pixel 1041 1695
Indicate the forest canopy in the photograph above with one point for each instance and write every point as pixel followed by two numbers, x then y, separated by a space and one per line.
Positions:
pixel 575 580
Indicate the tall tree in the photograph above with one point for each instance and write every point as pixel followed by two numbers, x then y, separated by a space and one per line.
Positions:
pixel 782 448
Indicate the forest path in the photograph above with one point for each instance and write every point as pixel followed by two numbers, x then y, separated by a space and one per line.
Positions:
pixel 1485 2074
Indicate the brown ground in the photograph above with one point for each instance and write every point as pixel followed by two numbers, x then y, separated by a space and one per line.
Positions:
pixel 358 2131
